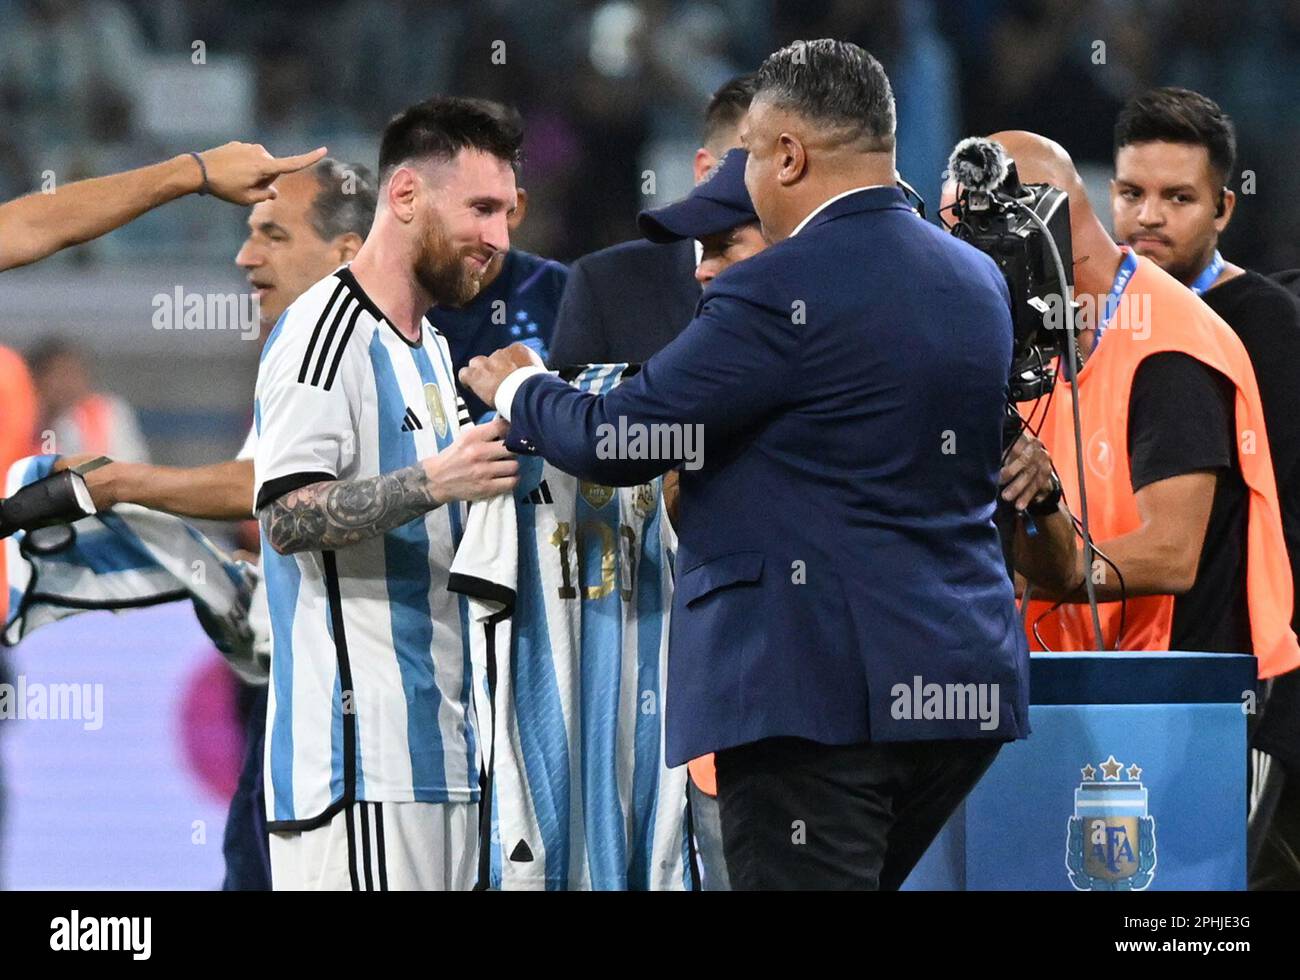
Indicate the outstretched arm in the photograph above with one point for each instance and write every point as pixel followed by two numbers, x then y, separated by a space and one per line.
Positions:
pixel 38 225
pixel 216 492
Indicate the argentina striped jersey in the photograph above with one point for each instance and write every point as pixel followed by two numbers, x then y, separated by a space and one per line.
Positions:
pixel 571 587
pixel 370 671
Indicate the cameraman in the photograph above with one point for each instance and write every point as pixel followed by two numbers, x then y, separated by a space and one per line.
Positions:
pixel 1166 397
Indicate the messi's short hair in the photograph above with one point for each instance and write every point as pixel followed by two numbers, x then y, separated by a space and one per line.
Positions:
pixel 1179 115
pixel 440 127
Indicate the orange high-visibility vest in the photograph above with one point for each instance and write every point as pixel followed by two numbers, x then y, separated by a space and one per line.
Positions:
pixel 18 411
pixel 1158 314
pixel 703 774
pixel 93 419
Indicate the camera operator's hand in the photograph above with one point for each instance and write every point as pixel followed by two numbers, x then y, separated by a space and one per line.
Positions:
pixel 1027 475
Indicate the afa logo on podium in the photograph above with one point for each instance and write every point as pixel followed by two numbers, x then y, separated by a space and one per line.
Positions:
pixel 1111 839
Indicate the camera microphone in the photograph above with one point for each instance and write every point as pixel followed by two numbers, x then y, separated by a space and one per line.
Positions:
pixel 978 164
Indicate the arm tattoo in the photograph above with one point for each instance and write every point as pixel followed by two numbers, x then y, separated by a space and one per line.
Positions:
pixel 338 513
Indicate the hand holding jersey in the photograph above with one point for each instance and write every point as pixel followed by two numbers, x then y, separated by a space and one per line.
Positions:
pixel 475 466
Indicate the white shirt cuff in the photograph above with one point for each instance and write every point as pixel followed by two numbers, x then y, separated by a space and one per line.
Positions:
pixel 510 386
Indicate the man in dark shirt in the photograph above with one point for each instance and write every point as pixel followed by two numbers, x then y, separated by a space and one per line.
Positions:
pixel 1174 156
pixel 625 303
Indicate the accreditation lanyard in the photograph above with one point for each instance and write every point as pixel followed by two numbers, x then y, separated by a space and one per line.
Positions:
pixel 1206 279
pixel 1122 275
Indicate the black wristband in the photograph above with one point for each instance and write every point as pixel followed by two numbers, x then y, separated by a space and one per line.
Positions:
pixel 59 498
pixel 203 188
pixel 1048 505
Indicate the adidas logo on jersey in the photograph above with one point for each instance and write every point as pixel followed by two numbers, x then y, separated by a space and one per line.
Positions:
pixel 541 494
pixel 410 423
pixel 522 852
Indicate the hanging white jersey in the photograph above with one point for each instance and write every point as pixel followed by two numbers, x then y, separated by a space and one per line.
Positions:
pixel 571 587
pixel 370 674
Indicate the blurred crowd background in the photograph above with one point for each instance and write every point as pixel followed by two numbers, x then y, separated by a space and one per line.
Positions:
pixel 609 89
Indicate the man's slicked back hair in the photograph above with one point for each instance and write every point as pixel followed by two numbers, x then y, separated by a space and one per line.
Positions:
pixel 440 127
pixel 834 83
pixel 345 202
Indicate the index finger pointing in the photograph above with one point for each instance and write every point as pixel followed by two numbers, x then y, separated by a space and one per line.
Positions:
pixel 286 165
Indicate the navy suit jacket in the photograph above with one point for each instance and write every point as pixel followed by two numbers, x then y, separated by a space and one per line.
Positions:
pixel 625 303
pixel 838 561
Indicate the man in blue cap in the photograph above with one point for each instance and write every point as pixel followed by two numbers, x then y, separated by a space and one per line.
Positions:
pixel 720 217
pixel 717 213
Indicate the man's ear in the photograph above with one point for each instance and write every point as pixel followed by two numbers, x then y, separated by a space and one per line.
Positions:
pixel 791 161
pixel 400 194
pixel 1224 216
pixel 704 162
pixel 521 210
pixel 346 246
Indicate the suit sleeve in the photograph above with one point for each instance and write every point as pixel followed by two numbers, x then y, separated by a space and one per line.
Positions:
pixel 731 368
pixel 579 329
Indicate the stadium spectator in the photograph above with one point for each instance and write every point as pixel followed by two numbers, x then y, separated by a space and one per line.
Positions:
pixel 75 418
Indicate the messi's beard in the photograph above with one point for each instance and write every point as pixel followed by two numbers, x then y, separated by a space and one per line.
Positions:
pixel 441 269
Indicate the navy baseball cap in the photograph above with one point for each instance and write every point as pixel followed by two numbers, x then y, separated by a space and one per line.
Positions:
pixel 716 204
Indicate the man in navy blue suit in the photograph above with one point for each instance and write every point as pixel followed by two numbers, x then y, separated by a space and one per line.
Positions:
pixel 844 634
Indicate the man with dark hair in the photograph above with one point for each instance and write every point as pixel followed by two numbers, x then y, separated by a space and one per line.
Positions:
pixel 1175 151
pixel 626 302
pixel 833 554
pixel 518 298
pixel 314 222
pixel 364 458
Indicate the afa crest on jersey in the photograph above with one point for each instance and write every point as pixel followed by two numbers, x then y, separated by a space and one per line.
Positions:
pixel 433 399
pixel 595 494
pixel 645 500
pixel 1111 839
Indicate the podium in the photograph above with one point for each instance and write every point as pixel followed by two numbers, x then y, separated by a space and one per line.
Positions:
pixel 1133 778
